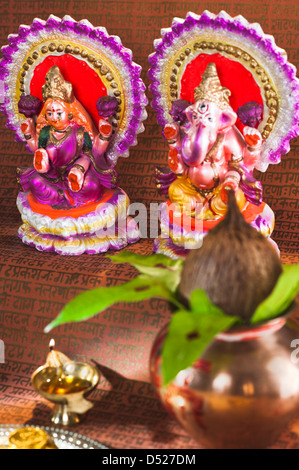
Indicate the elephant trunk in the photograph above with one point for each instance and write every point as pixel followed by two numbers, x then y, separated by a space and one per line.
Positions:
pixel 196 145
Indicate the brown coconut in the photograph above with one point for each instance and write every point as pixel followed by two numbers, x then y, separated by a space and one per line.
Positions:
pixel 236 266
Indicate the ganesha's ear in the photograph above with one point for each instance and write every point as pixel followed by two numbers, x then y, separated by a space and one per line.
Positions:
pixel 228 119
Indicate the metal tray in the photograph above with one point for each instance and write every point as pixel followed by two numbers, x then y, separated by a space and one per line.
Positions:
pixel 62 438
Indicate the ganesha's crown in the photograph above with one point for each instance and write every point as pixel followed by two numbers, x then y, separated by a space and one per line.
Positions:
pixel 210 88
pixel 56 87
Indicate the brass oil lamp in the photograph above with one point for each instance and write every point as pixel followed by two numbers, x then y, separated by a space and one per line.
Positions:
pixel 65 383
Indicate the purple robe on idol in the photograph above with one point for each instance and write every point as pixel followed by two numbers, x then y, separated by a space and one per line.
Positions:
pixel 52 187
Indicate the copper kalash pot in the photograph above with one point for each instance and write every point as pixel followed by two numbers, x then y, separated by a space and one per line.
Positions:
pixel 241 393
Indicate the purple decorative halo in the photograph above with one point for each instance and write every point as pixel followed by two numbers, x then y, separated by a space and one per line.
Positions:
pixel 250 39
pixel 83 34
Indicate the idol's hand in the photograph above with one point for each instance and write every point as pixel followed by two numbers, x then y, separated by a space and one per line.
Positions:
pixel 171 133
pixel 252 137
pixel 41 161
pixel 232 181
pixel 105 129
pixel 76 178
pixel 28 128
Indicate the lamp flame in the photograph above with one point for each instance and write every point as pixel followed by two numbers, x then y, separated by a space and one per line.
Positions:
pixel 51 344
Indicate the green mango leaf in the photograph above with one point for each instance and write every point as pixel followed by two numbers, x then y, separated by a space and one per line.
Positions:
pixel 158 266
pixel 90 303
pixel 281 297
pixel 146 260
pixel 200 303
pixel 190 332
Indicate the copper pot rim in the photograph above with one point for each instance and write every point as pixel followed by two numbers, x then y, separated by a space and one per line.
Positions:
pixel 255 330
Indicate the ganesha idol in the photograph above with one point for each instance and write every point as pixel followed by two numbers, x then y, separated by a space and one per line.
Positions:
pixel 227 100
pixel 74 96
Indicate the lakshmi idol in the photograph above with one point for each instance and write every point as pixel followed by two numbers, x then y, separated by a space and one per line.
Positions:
pixel 68 168
pixel 84 104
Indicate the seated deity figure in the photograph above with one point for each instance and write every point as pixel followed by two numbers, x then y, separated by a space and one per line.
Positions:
pixel 209 154
pixel 219 92
pixel 74 96
pixel 69 167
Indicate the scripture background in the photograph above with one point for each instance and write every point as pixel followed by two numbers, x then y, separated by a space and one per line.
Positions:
pixel 35 286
